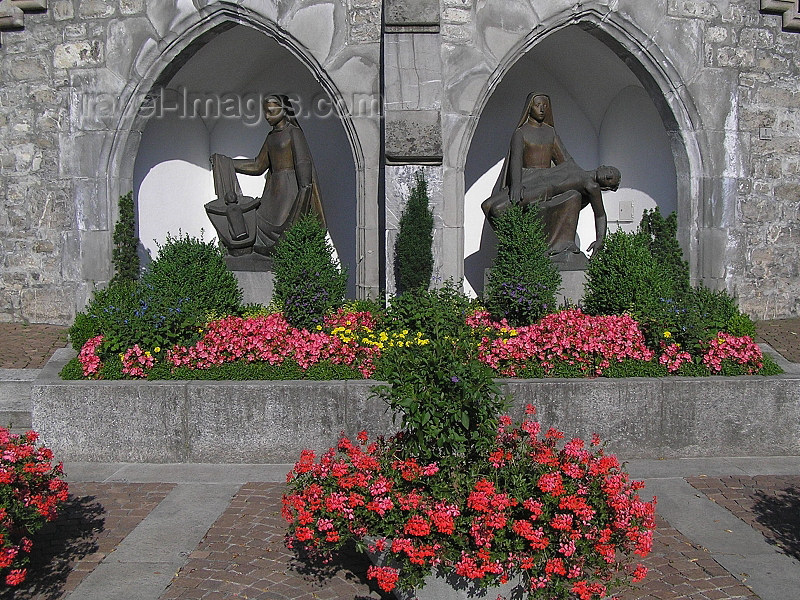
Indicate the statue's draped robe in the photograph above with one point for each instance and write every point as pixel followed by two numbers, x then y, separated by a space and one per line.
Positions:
pixel 533 161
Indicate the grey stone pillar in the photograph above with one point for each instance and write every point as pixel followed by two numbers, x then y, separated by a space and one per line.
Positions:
pixel 412 68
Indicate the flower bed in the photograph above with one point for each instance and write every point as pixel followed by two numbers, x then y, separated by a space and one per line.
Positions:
pixel 568 519
pixel 357 345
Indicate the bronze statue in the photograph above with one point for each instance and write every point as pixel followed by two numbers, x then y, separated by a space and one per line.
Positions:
pixel 539 170
pixel 247 224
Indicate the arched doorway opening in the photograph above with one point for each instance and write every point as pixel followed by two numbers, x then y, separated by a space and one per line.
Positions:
pixel 605 113
pixel 210 103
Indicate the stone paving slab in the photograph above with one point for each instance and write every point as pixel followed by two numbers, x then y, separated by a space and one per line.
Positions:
pixel 29 346
pixel 768 503
pixel 783 335
pixel 96 518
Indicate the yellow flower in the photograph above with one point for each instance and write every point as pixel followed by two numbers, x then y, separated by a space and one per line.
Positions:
pixel 319 327
pixel 157 349
pixel 148 355
pixel 667 334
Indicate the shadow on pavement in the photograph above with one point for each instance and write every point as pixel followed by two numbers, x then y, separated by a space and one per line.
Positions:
pixel 780 514
pixel 57 547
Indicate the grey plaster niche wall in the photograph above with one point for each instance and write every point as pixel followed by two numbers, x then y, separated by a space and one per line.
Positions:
pixel 213 105
pixel 602 114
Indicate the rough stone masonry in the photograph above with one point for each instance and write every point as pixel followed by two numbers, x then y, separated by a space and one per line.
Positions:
pixel 723 74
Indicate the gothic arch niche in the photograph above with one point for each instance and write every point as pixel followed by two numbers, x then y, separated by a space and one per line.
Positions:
pixel 210 103
pixel 604 113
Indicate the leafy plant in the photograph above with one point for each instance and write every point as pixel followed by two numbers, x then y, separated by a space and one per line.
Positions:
pixel 436 313
pixel 442 394
pixel 625 277
pixel 413 257
pixel 665 248
pixel 192 273
pixel 523 281
pixel 124 256
pixel 31 492
pixel 309 282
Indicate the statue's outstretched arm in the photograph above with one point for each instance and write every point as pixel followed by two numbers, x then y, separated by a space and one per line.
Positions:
pixel 600 219
pixel 256 166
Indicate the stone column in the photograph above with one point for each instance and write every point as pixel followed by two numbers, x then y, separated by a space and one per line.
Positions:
pixel 412 69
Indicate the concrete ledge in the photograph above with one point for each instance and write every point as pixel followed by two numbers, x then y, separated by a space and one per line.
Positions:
pixel 271 422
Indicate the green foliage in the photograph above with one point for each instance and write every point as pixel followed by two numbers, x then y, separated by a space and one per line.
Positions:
pixel 523 281
pixel 708 312
pixel 770 367
pixel 72 370
pixel 124 256
pixel 635 368
pixel 413 257
pixel 664 246
pixel 193 273
pixel 106 312
pixel 308 281
pixel 256 371
pixel 186 283
pixel 435 313
pixel 448 401
pixel 625 277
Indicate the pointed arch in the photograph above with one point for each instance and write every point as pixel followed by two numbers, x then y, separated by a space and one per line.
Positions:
pixel 157 66
pixel 658 77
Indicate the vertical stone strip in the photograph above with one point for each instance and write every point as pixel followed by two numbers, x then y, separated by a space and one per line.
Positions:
pixel 412 68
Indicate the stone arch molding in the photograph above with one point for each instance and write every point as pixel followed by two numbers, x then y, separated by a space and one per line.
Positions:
pixel 658 76
pixel 105 162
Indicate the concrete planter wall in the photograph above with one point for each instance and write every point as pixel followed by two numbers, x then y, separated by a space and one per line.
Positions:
pixel 271 422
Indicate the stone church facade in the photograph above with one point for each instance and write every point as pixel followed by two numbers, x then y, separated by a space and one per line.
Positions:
pixel 411 84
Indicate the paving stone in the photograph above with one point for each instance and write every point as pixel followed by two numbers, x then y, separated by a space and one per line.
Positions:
pixel 769 504
pixel 96 518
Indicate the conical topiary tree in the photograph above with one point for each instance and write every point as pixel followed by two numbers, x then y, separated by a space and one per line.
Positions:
pixel 124 256
pixel 523 281
pixel 309 282
pixel 413 257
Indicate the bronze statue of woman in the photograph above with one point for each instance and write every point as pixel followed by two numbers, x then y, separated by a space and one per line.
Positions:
pixel 290 190
pixel 539 170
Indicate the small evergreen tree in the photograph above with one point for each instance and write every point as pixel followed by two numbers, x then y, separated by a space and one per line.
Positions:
pixel 523 281
pixel 124 255
pixel 665 248
pixel 309 282
pixel 413 257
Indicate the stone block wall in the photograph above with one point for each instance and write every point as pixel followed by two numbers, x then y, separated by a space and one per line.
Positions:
pixel 724 75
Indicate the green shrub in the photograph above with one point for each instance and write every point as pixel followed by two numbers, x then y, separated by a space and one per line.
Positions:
pixel 625 277
pixel 443 394
pixel 664 246
pixel 523 281
pixel 436 313
pixel 193 273
pixel 124 256
pixel 308 281
pixel 413 257
pixel 72 370
pixel 186 283
pixel 107 311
